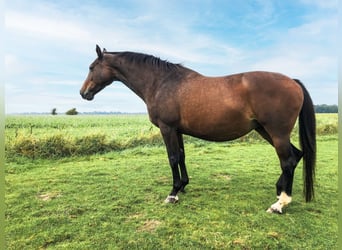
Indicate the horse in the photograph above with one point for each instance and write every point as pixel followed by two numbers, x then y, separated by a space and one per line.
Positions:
pixel 182 101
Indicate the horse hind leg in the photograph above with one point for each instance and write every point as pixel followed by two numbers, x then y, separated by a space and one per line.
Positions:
pixel 283 198
pixel 289 157
pixel 261 130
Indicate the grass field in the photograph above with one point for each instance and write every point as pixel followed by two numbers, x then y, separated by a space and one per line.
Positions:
pixel 61 194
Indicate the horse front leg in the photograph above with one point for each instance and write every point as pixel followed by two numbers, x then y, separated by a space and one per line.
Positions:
pixel 170 137
pixel 184 173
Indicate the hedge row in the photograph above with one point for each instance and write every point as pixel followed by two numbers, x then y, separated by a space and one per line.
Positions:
pixel 63 145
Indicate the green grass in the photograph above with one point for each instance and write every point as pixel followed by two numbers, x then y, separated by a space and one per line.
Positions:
pixel 114 200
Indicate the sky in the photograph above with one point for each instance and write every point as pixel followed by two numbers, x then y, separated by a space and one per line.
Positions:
pixel 49 45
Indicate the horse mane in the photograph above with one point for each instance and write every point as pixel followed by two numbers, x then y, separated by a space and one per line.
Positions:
pixel 155 62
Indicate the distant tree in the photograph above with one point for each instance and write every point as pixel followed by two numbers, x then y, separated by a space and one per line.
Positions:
pixel 72 112
pixel 54 111
pixel 324 108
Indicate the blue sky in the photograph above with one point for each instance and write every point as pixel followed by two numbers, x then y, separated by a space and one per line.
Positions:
pixel 50 44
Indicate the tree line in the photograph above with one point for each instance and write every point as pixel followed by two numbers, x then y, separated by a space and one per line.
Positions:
pixel 72 111
pixel 321 108
pixel 324 108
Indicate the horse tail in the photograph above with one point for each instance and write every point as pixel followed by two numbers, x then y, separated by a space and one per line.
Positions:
pixel 307 137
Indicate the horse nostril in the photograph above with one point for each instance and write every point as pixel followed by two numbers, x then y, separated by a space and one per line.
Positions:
pixel 87 95
pixel 82 93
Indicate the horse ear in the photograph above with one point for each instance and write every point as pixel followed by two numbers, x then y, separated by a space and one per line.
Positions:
pixel 98 51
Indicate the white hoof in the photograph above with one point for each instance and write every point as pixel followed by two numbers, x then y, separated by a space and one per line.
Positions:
pixel 275 208
pixel 283 200
pixel 171 199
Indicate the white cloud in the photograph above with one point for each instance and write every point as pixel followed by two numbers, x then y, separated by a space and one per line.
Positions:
pixel 323 4
pixel 15 66
pixel 51 46
pixel 318 29
pixel 306 51
pixel 45 27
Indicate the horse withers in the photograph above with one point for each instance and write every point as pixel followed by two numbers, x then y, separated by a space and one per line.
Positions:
pixel 182 101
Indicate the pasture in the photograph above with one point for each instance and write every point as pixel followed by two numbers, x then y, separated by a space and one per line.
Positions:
pixel 99 182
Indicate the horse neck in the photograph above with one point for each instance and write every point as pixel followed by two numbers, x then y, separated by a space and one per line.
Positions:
pixel 138 79
pixel 143 79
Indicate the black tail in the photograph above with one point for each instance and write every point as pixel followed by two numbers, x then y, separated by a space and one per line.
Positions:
pixel 307 135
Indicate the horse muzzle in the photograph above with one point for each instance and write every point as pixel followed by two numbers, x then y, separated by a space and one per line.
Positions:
pixel 87 95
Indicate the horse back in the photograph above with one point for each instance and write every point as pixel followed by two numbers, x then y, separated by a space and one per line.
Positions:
pixel 227 107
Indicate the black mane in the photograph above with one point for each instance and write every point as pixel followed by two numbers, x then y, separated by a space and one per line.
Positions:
pixel 155 62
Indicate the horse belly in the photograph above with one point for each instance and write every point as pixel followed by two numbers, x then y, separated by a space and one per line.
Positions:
pixel 217 127
pixel 215 109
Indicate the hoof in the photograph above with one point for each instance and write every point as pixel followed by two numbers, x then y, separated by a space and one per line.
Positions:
pixel 283 201
pixel 171 199
pixel 272 210
pixel 275 208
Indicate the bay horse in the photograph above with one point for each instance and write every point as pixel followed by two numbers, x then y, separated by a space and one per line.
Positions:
pixel 182 101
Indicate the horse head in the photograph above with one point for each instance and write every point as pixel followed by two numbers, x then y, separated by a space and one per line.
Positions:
pixel 100 75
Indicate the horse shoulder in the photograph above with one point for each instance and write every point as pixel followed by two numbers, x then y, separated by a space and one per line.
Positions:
pixel 164 108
